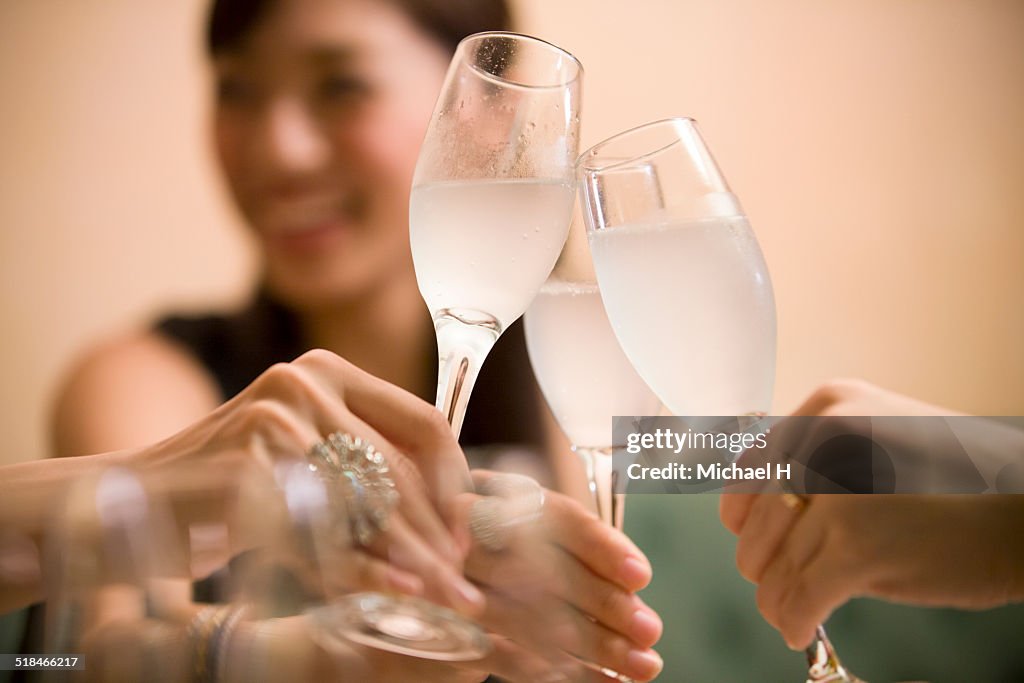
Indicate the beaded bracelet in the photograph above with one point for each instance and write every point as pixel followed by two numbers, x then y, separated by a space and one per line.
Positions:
pixel 200 629
pixel 219 639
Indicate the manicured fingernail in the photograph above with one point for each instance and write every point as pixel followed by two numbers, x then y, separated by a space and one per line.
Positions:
pixel 468 594
pixel 645 663
pixel 404 583
pixel 635 572
pixel 645 627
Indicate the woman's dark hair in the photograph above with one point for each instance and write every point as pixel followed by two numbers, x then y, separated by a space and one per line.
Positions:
pixel 448 21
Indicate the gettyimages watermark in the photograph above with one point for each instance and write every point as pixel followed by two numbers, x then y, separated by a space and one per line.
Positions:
pixel 880 455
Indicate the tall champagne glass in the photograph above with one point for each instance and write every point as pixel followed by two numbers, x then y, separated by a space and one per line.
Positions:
pixel 684 282
pixel 492 195
pixel 488 214
pixel 586 380
pixel 582 371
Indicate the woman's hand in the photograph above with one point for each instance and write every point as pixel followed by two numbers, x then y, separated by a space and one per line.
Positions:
pixel 565 584
pixel 957 551
pixel 809 559
pixel 287 410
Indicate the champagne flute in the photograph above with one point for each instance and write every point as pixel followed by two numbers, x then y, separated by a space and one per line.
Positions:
pixel 583 373
pixel 686 287
pixel 491 197
pixel 684 282
pixel 488 215
pixel 586 379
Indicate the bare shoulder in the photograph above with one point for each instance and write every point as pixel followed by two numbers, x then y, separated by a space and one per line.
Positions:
pixel 127 392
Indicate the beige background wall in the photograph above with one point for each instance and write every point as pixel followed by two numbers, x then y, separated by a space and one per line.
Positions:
pixel 877 147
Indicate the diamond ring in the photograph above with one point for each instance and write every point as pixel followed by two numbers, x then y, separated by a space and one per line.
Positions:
pixel 362 479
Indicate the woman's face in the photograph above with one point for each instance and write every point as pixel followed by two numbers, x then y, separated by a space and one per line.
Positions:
pixel 320 114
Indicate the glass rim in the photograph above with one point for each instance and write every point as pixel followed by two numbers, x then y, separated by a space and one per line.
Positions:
pixel 581 161
pixel 526 38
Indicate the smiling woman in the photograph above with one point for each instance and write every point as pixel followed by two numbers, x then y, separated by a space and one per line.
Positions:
pixel 320 109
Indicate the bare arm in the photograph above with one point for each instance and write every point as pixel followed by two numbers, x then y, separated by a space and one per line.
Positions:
pixel 277 418
pixel 128 393
pixel 32 493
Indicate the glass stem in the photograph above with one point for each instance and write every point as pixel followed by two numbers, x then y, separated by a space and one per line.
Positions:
pixel 610 508
pixel 601 478
pixel 462 347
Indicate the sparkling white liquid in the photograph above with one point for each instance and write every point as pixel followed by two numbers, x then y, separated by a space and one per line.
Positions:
pixel 692 305
pixel 487 246
pixel 585 376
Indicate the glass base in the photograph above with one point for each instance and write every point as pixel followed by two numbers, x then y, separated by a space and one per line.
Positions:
pixel 399 624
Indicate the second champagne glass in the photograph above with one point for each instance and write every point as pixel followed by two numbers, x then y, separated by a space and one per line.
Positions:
pixel 582 371
pixel 586 380
pixel 684 282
